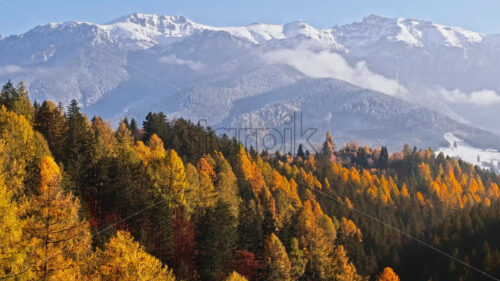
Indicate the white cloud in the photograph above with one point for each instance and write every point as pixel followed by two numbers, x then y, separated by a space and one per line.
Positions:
pixel 325 64
pixel 172 59
pixel 10 69
pixel 479 98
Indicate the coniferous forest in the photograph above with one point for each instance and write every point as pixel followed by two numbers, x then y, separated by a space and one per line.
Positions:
pixel 166 199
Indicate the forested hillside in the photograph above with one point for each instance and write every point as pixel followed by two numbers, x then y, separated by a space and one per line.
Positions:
pixel 171 200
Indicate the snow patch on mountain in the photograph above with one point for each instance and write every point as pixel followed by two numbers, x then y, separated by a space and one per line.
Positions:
pixel 158 27
pixel 141 63
pixel 409 35
pixel 484 158
pixel 414 33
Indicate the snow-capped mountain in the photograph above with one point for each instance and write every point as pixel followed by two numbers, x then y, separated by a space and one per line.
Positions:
pixel 226 75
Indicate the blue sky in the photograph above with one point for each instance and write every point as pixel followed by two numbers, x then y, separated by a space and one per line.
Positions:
pixel 478 15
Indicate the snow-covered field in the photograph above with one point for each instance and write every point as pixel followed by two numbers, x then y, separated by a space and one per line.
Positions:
pixel 484 158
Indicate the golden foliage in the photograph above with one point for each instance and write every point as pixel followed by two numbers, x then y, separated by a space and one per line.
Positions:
pixel 12 247
pixel 156 148
pixel 388 275
pixel 276 263
pixel 235 277
pixel 349 228
pixel 60 240
pixel 251 172
pixel 125 260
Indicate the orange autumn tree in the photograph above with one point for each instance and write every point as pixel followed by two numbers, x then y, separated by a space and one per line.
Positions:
pixel 125 260
pixel 254 180
pixel 207 178
pixel 60 239
pixel 388 275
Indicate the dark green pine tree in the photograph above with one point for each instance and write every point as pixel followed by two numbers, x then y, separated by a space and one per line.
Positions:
pixel 134 130
pixel 156 123
pixel 17 100
pixel 79 144
pixel 362 158
pixel 383 160
pixel 300 152
pixel 250 227
pixel 9 95
pixel 23 105
pixel 216 240
pixel 50 122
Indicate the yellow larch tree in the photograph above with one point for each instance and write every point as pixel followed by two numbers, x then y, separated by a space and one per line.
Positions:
pixel 326 260
pixel 349 229
pixel 105 138
pixel 493 191
pixel 175 177
pixel 404 191
pixel 341 269
pixel 226 184
pixel 156 147
pixel 126 260
pixel 60 239
pixel 235 277
pixel 13 250
pixel 276 263
pixel 143 151
pixel 24 149
pixel 200 191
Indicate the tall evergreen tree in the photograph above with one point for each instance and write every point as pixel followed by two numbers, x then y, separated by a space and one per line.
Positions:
pixel 134 129
pixel 383 158
pixel 216 239
pixel 8 95
pixel 22 105
pixel 300 152
pixel 17 100
pixel 79 145
pixel 156 123
pixel 362 158
pixel 50 122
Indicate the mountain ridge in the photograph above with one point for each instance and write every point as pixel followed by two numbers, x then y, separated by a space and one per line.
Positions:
pixel 146 62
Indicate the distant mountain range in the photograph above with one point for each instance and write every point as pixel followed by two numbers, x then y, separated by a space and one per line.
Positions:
pixel 381 81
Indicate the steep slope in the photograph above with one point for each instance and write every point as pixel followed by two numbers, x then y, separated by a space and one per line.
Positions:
pixel 351 113
pixel 227 75
pixel 454 68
